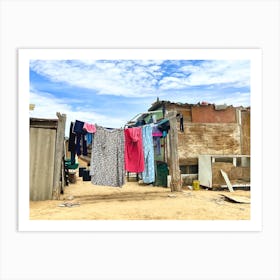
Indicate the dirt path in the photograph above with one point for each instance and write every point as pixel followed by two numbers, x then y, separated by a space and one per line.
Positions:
pixel 135 202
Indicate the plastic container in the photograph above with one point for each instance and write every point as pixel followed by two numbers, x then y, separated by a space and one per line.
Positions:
pixel 161 174
pixel 81 171
pixel 196 185
pixel 86 176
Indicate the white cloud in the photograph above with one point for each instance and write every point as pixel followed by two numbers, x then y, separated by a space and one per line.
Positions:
pixel 235 99
pixel 195 96
pixel 46 106
pixel 140 78
pixel 235 73
pixel 173 83
pixel 112 78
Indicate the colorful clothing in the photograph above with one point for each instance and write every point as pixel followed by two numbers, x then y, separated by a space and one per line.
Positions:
pixel 89 137
pixel 89 127
pixel 134 156
pixel 107 157
pixel 148 175
pixel 156 131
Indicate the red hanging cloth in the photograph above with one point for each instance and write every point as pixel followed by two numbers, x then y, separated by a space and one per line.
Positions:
pixel 134 155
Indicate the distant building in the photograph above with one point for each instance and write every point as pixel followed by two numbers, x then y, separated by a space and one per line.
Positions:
pixel 220 132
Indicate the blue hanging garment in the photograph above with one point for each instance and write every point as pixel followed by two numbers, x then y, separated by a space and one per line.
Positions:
pixel 149 172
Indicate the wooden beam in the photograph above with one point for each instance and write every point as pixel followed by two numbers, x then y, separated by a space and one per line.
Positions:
pixel 175 184
pixel 59 151
pixel 229 185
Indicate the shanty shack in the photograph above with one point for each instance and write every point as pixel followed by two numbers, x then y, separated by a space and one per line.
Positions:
pixel 211 138
pixel 46 161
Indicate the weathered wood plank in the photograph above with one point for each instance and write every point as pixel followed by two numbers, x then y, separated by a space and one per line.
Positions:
pixel 175 184
pixel 59 151
pixel 41 163
pixel 227 181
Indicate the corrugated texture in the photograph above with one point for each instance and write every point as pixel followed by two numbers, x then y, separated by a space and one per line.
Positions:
pixel 42 149
pixel 209 139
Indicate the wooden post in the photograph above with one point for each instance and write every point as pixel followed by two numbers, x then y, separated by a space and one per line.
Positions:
pixel 59 150
pixel 176 185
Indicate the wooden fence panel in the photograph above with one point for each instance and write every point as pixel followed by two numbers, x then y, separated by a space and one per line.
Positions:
pixel 41 162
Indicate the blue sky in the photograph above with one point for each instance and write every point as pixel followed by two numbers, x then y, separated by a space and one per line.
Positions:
pixel 111 92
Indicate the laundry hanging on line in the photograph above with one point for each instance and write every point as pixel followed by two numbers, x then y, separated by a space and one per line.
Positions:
pixel 148 174
pixel 134 155
pixel 107 158
pixel 80 135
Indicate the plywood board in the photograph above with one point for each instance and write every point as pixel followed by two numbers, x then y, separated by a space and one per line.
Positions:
pixel 224 174
pixel 237 198
pixel 205 170
pixel 42 149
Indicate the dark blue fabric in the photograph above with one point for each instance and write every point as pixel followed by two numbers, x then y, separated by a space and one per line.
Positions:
pixel 181 123
pixel 73 153
pixel 72 138
pixel 79 127
pixel 80 138
pixel 163 125
pixel 84 145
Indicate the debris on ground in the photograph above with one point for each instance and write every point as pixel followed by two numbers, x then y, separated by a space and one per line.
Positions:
pixel 187 193
pixel 219 201
pixel 237 198
pixel 69 204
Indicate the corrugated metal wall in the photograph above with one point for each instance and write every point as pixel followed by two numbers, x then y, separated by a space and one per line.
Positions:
pixel 42 150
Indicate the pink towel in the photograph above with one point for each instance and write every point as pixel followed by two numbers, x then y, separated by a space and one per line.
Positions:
pixel 89 127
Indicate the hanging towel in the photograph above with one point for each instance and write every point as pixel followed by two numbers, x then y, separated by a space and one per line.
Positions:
pixel 89 127
pixel 134 155
pixel 148 175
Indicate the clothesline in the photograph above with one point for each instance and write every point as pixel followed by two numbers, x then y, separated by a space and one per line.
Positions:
pixel 115 151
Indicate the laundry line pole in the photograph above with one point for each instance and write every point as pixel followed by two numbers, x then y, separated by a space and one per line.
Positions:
pixel 174 168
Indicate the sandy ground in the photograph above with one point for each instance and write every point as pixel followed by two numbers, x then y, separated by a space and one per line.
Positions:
pixel 136 202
